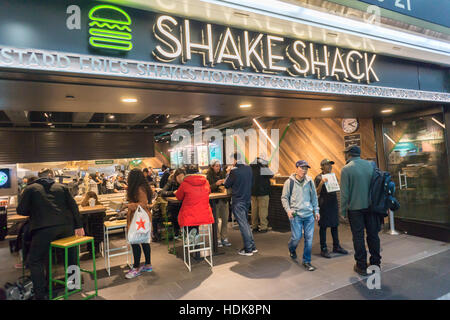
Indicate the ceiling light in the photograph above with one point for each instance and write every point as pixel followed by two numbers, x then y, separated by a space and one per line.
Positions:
pixel 167 116
pixel 111 117
pixel 332 34
pixel 438 122
pixel 264 132
pixel 327 108
pixel 386 111
pixel 245 106
pixel 389 138
pixel 129 100
pixel 50 124
pixel 207 118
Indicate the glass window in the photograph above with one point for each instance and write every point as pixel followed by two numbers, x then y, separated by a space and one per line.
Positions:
pixel 417 160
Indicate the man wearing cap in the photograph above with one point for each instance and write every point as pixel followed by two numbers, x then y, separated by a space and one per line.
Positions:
pixel 329 211
pixel 299 199
pixel 355 183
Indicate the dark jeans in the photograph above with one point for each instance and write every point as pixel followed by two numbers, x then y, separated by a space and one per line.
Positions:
pixel 240 211
pixel 38 255
pixel 360 220
pixel 137 253
pixel 173 210
pixel 323 238
pixel 156 224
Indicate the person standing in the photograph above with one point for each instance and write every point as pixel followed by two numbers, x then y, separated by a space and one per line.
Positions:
pixel 99 182
pixel 216 177
pixel 329 211
pixel 355 184
pixel 260 194
pixel 239 179
pixel 138 194
pixel 53 215
pixel 299 199
pixel 169 189
pixel 165 176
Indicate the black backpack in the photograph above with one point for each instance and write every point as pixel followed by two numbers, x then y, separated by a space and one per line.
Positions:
pixel 381 192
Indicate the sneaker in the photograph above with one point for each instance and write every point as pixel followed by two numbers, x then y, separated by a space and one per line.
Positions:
pixel 255 229
pixel 219 244
pixel 308 266
pixel 133 273
pixel 293 255
pixel 242 252
pixel 147 268
pixel 358 270
pixel 255 250
pixel 325 254
pixel 340 250
pixel 226 243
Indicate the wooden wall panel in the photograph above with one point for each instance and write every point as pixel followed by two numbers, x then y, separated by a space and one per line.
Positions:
pixel 315 139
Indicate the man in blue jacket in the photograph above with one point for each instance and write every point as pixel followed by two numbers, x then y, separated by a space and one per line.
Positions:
pixel 239 179
pixel 299 199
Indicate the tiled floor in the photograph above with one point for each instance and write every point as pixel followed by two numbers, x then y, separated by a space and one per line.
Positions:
pixel 269 274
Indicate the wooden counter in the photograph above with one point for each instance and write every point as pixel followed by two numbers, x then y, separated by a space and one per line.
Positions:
pixel 212 196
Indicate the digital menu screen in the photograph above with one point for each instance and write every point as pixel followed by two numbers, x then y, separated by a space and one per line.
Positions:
pixel 5 179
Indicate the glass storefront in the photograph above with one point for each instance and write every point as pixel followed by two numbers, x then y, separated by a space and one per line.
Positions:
pixel 417 160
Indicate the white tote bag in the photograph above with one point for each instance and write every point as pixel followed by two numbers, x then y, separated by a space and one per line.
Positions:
pixel 140 227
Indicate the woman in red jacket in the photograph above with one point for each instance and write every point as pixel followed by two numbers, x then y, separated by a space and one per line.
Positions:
pixel 194 193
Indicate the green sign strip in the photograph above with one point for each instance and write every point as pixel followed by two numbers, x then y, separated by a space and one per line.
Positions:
pixel 104 161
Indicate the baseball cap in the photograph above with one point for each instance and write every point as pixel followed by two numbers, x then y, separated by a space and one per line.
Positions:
pixel 302 163
pixel 326 161
pixel 353 150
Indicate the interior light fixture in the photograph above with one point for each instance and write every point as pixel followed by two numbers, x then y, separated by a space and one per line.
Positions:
pixel 129 100
pixel 245 106
pixel 327 108
pixel 111 117
pixel 264 132
pixel 438 122
pixel 50 124
pixel 389 138
pixel 386 111
pixel 207 118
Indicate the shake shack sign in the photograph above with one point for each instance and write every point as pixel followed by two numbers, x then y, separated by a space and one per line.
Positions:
pixel 92 37
pixel 259 52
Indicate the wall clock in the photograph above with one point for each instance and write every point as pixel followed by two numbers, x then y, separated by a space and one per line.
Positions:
pixel 350 125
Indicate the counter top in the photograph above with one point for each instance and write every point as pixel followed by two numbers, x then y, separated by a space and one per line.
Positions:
pixel 212 196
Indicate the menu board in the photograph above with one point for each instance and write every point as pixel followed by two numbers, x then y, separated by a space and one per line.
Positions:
pixel 202 156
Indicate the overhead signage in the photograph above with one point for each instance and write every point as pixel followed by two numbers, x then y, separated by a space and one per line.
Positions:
pixel 434 11
pixel 104 161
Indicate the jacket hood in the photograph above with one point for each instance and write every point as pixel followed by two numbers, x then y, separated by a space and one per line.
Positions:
pixel 195 180
pixel 292 177
pixel 45 182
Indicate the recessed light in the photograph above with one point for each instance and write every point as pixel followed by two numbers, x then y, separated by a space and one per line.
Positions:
pixel 111 117
pixel 50 124
pixel 386 111
pixel 327 108
pixel 129 100
pixel 207 118
pixel 245 106
pixel 332 34
pixel 70 97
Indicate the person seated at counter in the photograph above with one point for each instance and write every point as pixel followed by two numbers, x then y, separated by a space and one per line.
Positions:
pixel 120 184
pixel 169 189
pixel 165 176
pixel 92 184
pixel 147 175
pixel 195 209
pixel 216 177
pixel 86 201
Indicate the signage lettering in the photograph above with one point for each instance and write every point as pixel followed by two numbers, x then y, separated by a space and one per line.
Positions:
pixel 261 52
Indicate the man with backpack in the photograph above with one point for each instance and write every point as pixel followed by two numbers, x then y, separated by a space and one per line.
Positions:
pixel 356 179
pixel 299 199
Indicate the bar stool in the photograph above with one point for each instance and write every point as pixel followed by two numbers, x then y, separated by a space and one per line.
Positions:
pixel 188 247
pixel 170 232
pixel 109 226
pixel 66 244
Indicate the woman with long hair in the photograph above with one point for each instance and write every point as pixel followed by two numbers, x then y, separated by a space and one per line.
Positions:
pixel 138 194
pixel 89 195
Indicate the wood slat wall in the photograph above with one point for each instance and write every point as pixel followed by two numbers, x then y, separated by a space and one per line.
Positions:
pixel 315 139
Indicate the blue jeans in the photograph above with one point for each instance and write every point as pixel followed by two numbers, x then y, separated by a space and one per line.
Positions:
pixel 299 226
pixel 240 211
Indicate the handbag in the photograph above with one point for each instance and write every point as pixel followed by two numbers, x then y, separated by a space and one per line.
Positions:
pixel 140 227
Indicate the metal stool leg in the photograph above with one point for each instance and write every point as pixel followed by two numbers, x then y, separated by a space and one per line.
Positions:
pixel 50 274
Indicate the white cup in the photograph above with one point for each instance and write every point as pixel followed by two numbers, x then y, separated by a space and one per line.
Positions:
pixel 92 202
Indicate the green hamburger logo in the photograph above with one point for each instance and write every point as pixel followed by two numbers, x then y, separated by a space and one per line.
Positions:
pixel 109 28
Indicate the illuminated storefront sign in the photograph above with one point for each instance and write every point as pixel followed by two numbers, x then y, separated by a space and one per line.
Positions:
pixel 262 52
pixel 109 28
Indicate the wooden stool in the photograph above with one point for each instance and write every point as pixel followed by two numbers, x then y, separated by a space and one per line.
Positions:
pixel 66 244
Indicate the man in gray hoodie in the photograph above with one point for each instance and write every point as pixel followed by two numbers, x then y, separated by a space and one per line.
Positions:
pixel 299 199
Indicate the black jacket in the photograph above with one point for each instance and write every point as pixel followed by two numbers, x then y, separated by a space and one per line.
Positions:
pixel 240 182
pixel 164 178
pixel 213 177
pixel 261 182
pixel 171 186
pixel 49 204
